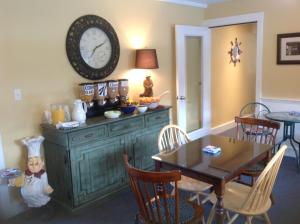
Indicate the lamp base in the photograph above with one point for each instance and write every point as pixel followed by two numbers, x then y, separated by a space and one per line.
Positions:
pixel 148 84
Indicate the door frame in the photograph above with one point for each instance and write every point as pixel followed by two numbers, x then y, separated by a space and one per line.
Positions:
pixel 247 18
pixel 2 162
pixel 181 31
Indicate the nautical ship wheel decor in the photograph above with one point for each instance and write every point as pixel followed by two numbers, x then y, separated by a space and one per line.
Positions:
pixel 235 52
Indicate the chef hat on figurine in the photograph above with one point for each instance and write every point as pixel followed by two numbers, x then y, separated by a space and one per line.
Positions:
pixel 33 145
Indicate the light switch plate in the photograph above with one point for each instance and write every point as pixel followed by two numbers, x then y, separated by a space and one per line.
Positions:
pixel 18 94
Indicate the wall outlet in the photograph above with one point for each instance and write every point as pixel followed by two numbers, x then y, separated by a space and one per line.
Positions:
pixel 18 94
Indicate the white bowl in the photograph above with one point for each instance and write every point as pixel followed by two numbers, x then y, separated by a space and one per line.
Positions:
pixel 142 109
pixel 153 105
pixel 112 114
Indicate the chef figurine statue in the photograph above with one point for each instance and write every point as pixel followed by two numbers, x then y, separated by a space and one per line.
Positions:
pixel 34 185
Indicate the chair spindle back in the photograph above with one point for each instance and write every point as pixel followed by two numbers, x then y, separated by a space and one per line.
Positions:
pixel 151 193
pixel 170 137
pixel 256 130
pixel 254 110
pixel 261 190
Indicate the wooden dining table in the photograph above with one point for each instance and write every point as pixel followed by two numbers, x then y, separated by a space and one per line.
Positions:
pixel 214 169
pixel 289 119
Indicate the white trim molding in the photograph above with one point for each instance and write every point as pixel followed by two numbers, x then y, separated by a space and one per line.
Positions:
pixel 247 18
pixel 186 2
pixel 275 105
pixel 223 127
pixel 181 32
pixel 281 104
pixel 284 104
pixel 280 100
pixel 2 163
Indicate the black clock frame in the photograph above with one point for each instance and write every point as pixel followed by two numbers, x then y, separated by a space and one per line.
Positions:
pixel 76 30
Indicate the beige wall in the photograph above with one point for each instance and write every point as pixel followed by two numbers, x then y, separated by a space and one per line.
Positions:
pixel 278 81
pixel 232 86
pixel 33 57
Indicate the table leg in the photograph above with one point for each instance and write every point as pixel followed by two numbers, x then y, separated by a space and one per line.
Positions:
pixel 285 135
pixel 296 153
pixel 157 166
pixel 292 139
pixel 289 134
pixel 219 190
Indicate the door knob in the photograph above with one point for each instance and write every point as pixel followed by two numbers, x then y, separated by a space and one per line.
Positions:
pixel 180 97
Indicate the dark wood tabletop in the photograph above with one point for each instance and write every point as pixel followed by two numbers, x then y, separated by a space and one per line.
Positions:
pixel 291 116
pixel 214 169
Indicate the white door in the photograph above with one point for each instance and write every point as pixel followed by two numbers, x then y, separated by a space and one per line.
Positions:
pixel 2 164
pixel 193 79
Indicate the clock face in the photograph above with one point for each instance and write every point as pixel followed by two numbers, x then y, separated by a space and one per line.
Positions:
pixel 92 47
pixel 95 48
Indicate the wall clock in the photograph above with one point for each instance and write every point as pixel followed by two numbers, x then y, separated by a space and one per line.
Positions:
pixel 92 47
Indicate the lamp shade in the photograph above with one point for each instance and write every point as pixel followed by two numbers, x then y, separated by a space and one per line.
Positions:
pixel 146 59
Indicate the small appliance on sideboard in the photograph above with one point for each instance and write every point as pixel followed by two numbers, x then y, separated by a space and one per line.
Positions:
pixel 104 95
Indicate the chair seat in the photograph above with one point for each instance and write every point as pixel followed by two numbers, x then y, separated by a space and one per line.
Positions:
pixel 189 211
pixel 254 169
pixel 234 197
pixel 258 131
pixel 193 185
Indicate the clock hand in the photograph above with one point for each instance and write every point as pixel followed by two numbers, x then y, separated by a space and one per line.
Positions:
pixel 96 48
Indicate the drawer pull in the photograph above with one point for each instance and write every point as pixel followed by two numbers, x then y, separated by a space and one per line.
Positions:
pixel 158 118
pixel 89 135
pixel 69 196
pixel 65 159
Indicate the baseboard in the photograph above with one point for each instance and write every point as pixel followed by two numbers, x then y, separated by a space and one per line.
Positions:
pixel 284 104
pixel 281 104
pixel 223 127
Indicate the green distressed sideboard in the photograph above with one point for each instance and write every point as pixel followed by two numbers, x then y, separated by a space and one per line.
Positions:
pixel 86 163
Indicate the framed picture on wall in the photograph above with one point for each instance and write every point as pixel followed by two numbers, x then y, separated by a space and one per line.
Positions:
pixel 288 48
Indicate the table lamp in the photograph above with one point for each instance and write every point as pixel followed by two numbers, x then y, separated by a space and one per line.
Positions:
pixel 146 59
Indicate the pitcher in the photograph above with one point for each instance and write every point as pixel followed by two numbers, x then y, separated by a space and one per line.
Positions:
pixel 79 111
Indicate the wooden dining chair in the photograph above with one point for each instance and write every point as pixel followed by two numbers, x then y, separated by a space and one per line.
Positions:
pixel 256 130
pixel 170 138
pixel 156 204
pixel 254 110
pixel 250 201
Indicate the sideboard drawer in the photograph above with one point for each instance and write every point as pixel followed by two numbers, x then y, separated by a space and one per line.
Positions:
pixel 126 126
pixel 87 135
pixel 157 118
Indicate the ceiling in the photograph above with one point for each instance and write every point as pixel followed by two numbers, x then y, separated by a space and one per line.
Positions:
pixel 208 1
pixel 195 3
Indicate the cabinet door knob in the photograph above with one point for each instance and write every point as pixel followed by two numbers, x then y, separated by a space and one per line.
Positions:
pixel 65 159
pixel 69 195
pixel 88 135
